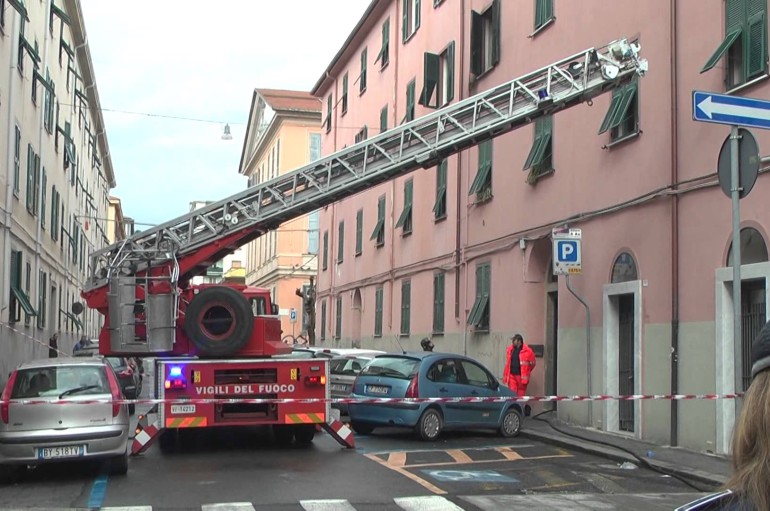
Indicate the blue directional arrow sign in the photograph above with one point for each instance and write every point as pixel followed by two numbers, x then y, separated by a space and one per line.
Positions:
pixel 732 110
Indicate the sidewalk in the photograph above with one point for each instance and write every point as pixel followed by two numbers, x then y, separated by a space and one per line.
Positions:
pixel 707 469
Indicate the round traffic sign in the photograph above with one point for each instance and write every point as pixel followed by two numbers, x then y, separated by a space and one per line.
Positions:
pixel 748 163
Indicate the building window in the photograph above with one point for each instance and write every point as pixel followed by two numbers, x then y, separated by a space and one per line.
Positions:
pixel 622 118
pixel 17 161
pixel 410 88
pixel 384 119
pixel 41 299
pixel 438 78
pixel 406 305
pixel 745 42
pixel 43 187
pixel 485 39
pixel 315 146
pixel 362 135
pixel 359 231
pixel 325 259
pixel 323 320
pixel 543 13
pixel 48 103
pixel 540 158
pixel 362 78
pixel 338 322
pixel 410 18
pixel 482 183
pixel 27 289
pixel 438 303
pixel 379 229
pixel 479 315
pixel 405 220
pixel 383 57
pixel 54 214
pixel 328 120
pixel 340 241
pixel 378 299
pixel 18 298
pixel 439 207
pixel 344 94
pixel 312 233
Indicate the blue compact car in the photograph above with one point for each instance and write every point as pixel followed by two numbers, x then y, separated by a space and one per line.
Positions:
pixel 429 374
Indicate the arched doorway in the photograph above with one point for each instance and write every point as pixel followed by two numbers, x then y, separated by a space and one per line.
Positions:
pixel 622 343
pixel 355 340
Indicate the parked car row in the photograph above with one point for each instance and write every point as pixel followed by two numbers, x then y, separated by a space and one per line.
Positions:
pixel 362 373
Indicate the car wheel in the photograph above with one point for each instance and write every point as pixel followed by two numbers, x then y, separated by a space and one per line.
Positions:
pixel 430 424
pixel 362 428
pixel 304 434
pixel 10 474
pixel 511 425
pixel 119 464
pixel 283 434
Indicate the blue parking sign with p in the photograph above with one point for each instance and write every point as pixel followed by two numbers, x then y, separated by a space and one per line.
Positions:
pixel 567 251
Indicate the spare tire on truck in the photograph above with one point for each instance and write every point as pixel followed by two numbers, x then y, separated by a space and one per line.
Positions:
pixel 219 321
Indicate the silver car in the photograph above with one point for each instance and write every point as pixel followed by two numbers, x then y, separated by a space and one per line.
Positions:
pixel 32 434
pixel 344 366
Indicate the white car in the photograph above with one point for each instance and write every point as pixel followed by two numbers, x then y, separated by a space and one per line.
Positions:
pixel 32 434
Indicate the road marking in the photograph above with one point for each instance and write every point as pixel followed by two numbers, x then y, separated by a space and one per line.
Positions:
pixel 397 459
pixel 417 479
pixel 459 456
pixel 509 453
pixel 326 505
pixel 228 506
pixel 127 508
pixel 429 503
pixel 98 491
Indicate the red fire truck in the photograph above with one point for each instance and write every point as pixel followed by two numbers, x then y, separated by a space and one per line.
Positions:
pixel 217 346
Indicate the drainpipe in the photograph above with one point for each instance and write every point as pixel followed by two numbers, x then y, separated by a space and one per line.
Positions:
pixel 674 234
pixel 393 183
pixel 9 182
pixel 459 255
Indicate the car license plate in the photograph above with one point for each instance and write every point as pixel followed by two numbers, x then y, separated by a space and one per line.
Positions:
pixel 338 387
pixel 66 451
pixel 377 389
pixel 182 408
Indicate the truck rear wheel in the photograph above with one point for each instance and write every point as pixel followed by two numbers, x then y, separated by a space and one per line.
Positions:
pixel 304 434
pixel 219 321
pixel 283 434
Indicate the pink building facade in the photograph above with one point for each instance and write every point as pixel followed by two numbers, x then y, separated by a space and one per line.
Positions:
pixel 462 252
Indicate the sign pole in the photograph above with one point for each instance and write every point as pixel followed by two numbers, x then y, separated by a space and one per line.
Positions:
pixel 735 195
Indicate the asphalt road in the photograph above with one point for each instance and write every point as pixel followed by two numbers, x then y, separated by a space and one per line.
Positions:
pixel 390 470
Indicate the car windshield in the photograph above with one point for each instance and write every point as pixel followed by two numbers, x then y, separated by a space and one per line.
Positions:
pixel 347 366
pixel 396 367
pixel 57 380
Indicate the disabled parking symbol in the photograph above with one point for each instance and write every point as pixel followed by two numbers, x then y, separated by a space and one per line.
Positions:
pixel 470 476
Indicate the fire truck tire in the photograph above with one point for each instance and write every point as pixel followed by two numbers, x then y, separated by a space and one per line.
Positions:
pixel 233 311
pixel 283 434
pixel 168 441
pixel 304 434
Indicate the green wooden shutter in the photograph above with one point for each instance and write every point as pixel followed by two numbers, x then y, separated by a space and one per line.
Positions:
pixel 477 43
pixel 384 119
pixel 378 294
pixel 410 101
pixel 417 9
pixel 30 178
pixel 323 320
pixel 756 38
pixel 359 231
pixel 405 20
pixel 325 260
pixel 735 19
pixel 341 242
pixel 495 57
pixel 362 78
pixel 431 69
pixel 345 93
pixel 450 62
pixel 406 299
pixel 42 199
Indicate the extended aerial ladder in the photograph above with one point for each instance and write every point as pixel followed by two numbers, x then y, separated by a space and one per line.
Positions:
pixel 156 263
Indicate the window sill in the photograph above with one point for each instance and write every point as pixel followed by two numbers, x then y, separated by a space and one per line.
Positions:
pixel 406 234
pixel 410 36
pixel 383 66
pixel 361 91
pixel 380 245
pixel 357 254
pixel 16 194
pixel 749 84
pixel 623 140
pixel 440 218
pixel 483 198
pixel 542 27
pixel 534 178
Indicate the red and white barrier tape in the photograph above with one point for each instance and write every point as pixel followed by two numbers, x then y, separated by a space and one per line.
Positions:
pixel 383 400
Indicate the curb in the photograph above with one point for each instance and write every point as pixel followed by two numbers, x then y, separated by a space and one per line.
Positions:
pixel 588 447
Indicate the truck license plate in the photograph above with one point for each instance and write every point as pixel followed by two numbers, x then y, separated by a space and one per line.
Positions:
pixel 182 408
pixel 66 451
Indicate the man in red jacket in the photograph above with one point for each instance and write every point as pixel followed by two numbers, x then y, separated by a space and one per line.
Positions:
pixel 519 363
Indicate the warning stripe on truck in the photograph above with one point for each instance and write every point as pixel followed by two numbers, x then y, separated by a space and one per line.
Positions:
pixel 304 418
pixel 187 422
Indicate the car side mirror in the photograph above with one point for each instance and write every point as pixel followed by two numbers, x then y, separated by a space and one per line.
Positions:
pixel 495 384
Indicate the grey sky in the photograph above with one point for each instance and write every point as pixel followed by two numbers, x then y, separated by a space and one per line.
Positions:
pixel 202 60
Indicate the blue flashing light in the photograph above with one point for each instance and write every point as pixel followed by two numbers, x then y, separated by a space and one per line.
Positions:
pixel 175 371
